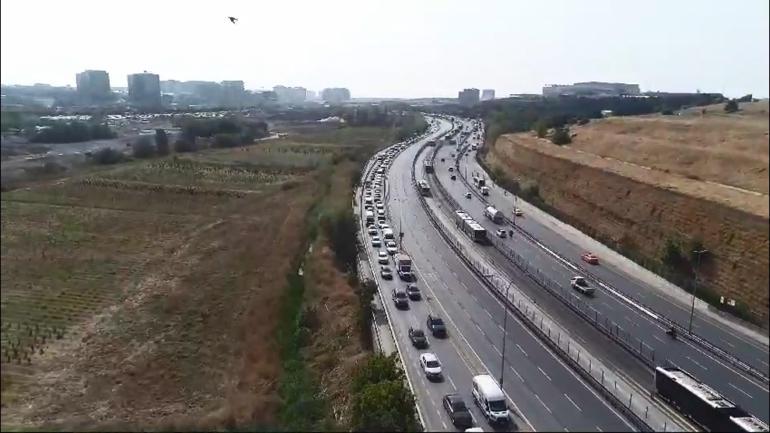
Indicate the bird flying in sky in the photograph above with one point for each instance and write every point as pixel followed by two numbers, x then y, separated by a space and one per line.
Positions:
pixel 232 19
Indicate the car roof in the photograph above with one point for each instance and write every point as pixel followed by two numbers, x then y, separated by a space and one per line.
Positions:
pixel 428 356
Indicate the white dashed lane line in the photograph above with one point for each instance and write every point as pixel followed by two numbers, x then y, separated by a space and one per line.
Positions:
pixel 740 390
pixel 544 374
pixel 522 350
pixel 573 403
pixel 544 405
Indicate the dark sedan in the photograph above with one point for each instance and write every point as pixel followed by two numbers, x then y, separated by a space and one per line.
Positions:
pixel 458 411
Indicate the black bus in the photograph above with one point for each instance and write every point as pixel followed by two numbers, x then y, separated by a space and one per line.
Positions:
pixel 701 403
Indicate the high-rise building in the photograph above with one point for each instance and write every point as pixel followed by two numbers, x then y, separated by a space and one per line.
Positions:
pixel 233 93
pixel 290 95
pixel 487 94
pixel 93 86
pixel 335 95
pixel 468 97
pixel 144 90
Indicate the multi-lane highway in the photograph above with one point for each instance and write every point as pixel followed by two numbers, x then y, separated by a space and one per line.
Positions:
pixel 543 391
pixel 731 382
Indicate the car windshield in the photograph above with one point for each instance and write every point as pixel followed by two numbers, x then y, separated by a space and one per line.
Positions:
pixel 432 364
pixel 497 405
pixel 413 289
pixel 400 295
pixel 418 333
pixel 437 322
pixel 459 405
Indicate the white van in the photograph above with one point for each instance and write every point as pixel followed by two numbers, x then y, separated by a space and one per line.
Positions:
pixel 490 399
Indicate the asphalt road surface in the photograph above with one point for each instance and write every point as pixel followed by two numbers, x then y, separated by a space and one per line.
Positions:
pixel 736 386
pixel 547 394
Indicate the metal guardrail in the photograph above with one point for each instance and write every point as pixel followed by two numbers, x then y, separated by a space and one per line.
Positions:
pixel 634 302
pixel 525 318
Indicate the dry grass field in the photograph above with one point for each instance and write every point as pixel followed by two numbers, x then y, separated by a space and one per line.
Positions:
pixel 730 149
pixel 148 295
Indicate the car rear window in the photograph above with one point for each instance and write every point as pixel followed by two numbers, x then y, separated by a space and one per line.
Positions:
pixel 437 321
pixel 432 364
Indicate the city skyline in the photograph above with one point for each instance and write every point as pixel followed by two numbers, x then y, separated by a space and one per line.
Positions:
pixel 377 50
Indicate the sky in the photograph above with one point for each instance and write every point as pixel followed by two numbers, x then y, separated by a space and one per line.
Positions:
pixel 395 48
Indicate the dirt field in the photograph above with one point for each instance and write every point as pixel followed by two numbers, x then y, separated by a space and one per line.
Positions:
pixel 730 149
pixel 148 295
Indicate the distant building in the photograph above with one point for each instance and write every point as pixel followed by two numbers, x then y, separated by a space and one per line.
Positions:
pixel 290 95
pixel 591 88
pixel 93 86
pixel 487 94
pixel 233 93
pixel 335 95
pixel 144 90
pixel 468 97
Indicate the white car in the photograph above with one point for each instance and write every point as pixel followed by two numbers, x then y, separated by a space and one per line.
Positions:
pixel 430 365
pixel 391 248
pixel 384 226
pixel 376 242
pixel 380 212
pixel 467 195
pixel 382 257
pixel 380 206
pixel 501 233
pixel 372 230
pixel 518 212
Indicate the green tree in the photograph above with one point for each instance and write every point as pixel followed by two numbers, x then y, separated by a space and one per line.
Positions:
pixel 108 155
pixel 561 136
pixel 541 129
pixel 143 148
pixel 227 139
pixel 185 145
pixel 161 141
pixel 384 406
pixel 731 106
pixel 377 368
pixel 341 228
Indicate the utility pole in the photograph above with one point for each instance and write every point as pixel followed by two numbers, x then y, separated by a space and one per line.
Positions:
pixel 505 333
pixel 699 253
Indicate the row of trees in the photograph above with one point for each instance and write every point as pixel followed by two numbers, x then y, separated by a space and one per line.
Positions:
pixel 226 132
pixel 71 132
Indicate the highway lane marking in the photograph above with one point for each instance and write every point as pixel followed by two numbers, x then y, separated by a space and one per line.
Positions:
pixel 460 353
pixel 598 428
pixel 546 376
pixel 658 338
pixel 497 350
pixel 728 343
pixel 522 350
pixel 744 392
pixel 573 403
pixel 516 373
pixel 543 403
pixel 763 362
pixel 607 305
pixel 488 313
pixel 696 363
pixel 452 382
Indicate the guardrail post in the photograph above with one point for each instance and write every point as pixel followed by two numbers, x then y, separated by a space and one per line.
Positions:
pixel 646 409
pixel 578 356
pixel 602 377
pixel 630 397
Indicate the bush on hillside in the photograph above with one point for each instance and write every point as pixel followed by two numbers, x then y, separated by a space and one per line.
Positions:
pixel 561 136
pixel 143 148
pixel 183 145
pixel 108 155
pixel 731 106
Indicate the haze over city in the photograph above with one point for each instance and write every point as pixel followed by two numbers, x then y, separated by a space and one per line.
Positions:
pixel 391 48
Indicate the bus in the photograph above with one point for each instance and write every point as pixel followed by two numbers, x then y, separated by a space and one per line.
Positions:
pixel 423 187
pixel 702 404
pixel 428 166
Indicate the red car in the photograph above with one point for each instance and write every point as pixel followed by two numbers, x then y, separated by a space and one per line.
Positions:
pixel 590 258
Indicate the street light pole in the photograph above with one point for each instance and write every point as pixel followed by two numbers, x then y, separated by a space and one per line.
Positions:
pixel 699 253
pixel 505 334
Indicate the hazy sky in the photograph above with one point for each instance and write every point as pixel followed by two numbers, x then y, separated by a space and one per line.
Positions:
pixel 394 48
